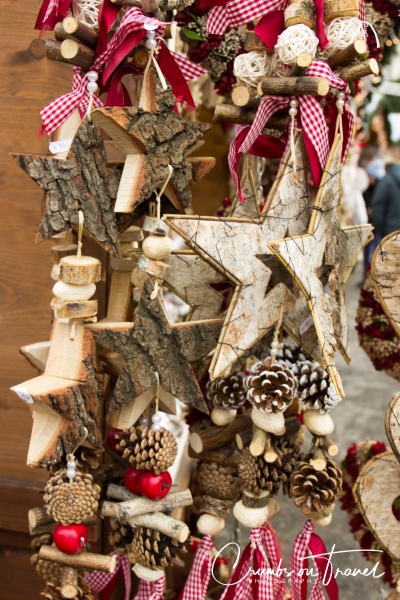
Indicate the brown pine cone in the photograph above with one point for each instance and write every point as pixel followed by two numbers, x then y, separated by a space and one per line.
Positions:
pixel 121 535
pixel 259 475
pixel 227 392
pixel 71 502
pixel 147 449
pixel 270 387
pixel 52 590
pixel 219 481
pixel 312 490
pixel 315 389
pixel 153 549
pixel 46 568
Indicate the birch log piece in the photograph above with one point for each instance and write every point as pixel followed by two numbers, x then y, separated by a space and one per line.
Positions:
pixel 149 154
pixel 359 70
pixel 238 248
pixel 299 86
pixel 375 490
pixel 84 560
pixel 228 113
pixel 124 511
pixel 348 55
pixel 385 266
pixel 303 61
pixel 324 244
pixel 244 95
pixel 210 437
pixel 81 181
pixel 392 424
pixel 80 31
pixel 152 345
pixel 77 54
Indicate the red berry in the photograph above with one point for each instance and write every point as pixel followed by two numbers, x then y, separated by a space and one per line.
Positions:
pixel 111 441
pixel 131 480
pixel 155 487
pixel 70 539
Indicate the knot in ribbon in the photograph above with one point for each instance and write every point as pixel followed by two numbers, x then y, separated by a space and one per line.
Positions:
pixel 150 591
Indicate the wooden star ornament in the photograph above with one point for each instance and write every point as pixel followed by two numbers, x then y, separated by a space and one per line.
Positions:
pixel 325 254
pixel 152 346
pixel 238 248
pixel 80 181
pixel 154 136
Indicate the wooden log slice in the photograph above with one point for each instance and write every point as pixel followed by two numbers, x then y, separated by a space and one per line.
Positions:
pixel 385 266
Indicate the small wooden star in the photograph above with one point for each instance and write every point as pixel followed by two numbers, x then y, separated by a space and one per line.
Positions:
pixel 153 139
pixel 81 181
pixel 325 253
pixel 151 346
pixel 238 248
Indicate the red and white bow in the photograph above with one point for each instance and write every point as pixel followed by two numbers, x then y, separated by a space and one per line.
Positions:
pixel 104 583
pixel 311 119
pixel 199 577
pixel 150 591
pixel 307 544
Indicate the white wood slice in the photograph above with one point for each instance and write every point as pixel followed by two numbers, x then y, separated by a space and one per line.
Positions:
pixel 385 269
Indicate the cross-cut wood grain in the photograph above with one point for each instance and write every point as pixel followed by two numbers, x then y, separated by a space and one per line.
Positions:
pixel 81 181
pixel 238 248
pixel 375 490
pixel 385 270
pixel 151 345
pixel 312 259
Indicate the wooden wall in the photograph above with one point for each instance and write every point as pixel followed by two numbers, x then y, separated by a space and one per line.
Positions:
pixel 28 82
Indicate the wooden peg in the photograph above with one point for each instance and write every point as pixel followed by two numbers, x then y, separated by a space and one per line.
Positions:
pixel 270 456
pixel 80 31
pixel 298 86
pixel 258 441
pixel 303 61
pixel 318 460
pixel 212 438
pixel 359 70
pixel 85 560
pixel 69 583
pixel 76 53
pixel 244 95
pixel 124 511
pixel 348 55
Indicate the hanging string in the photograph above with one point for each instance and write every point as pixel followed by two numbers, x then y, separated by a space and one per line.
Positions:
pixel 71 455
pixel 157 391
pixel 164 187
pixel 152 60
pixel 276 345
pixel 81 220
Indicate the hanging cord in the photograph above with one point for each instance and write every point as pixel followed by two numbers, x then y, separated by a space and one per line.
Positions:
pixel 152 60
pixel 71 455
pixel 81 220
pixel 340 102
pixel 293 113
pixel 157 391
pixel 154 293
pixel 276 345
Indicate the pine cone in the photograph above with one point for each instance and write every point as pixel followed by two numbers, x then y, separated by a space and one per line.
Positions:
pixel 290 354
pixel 46 568
pixel 219 481
pixel 121 535
pixel 227 392
pixel 153 549
pixel 258 475
pixel 315 389
pixel 270 387
pixel 52 590
pixel 312 490
pixel 71 502
pixel 147 449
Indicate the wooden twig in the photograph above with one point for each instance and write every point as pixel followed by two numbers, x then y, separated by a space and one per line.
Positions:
pixel 217 437
pixel 85 560
pixel 77 53
pixel 303 61
pixel 270 456
pixel 258 441
pixel 359 70
pixel 69 583
pixel 299 86
pixel 229 113
pixel 244 95
pixel 124 511
pixel 80 31
pixel 243 439
pixel 347 55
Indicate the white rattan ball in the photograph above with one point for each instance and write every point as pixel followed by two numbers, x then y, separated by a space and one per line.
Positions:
pixel 343 32
pixel 87 11
pixel 295 40
pixel 252 67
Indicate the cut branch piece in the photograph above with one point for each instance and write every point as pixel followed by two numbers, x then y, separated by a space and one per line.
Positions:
pixel 83 33
pixel 359 70
pixel 77 54
pixel 303 61
pixel 213 437
pixel 69 583
pixel 84 560
pixel 124 511
pixel 228 113
pixel 245 95
pixel 299 86
pixel 348 55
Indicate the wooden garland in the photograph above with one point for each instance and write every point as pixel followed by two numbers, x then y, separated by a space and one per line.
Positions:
pixel 384 270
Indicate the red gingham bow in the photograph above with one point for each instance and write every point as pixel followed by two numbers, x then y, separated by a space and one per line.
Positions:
pixel 98 580
pixel 199 576
pixel 312 122
pixel 150 591
pixel 237 12
pixel 306 544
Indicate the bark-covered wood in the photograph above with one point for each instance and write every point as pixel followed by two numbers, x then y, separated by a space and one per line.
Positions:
pixel 299 86
pixel 78 54
pixel 238 248
pixel 206 437
pixel 69 583
pixel 152 140
pixel 228 456
pixel 85 560
pixel 385 271
pixel 325 244
pixel 303 61
pixel 213 506
pixel 392 424
pixel 300 13
pixel 347 55
pixel 81 181
pixel 359 70
pixel 152 345
pixel 334 9
pixel 53 52
pixel 253 43
pixel 140 505
pixel 375 490
pixel 83 33
pixel 229 113
pixel 244 95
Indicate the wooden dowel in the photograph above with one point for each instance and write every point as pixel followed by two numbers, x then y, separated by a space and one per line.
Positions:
pixel 124 511
pixel 81 55
pixel 80 31
pixel 60 34
pixel 229 113
pixel 270 456
pixel 318 461
pixel 40 522
pixel 243 439
pixel 85 560
pixel 298 86
pixel 303 61
pixel 53 52
pixel 244 95
pixel 347 55
pixel 212 438
pixel 359 70
pixel 258 441
pixel 328 445
pixel 228 456
pixel 69 583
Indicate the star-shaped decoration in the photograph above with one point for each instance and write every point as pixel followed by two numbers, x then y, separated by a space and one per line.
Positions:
pixel 325 254
pixel 151 346
pixel 81 181
pixel 153 140
pixel 238 248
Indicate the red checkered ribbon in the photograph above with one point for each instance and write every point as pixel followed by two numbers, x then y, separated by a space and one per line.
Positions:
pixel 150 591
pixel 309 545
pixel 312 121
pixel 199 577
pixel 238 12
pixel 52 12
pixel 105 582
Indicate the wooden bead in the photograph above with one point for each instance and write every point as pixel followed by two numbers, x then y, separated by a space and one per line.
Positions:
pixel 270 422
pixel 210 524
pixel 157 247
pixel 80 271
pixel 251 500
pixel 74 310
pixel 222 416
pixel 340 8
pixel 147 574
pixel 68 291
pixel 155 268
pixel 318 424
pixel 250 517
pixel 153 225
